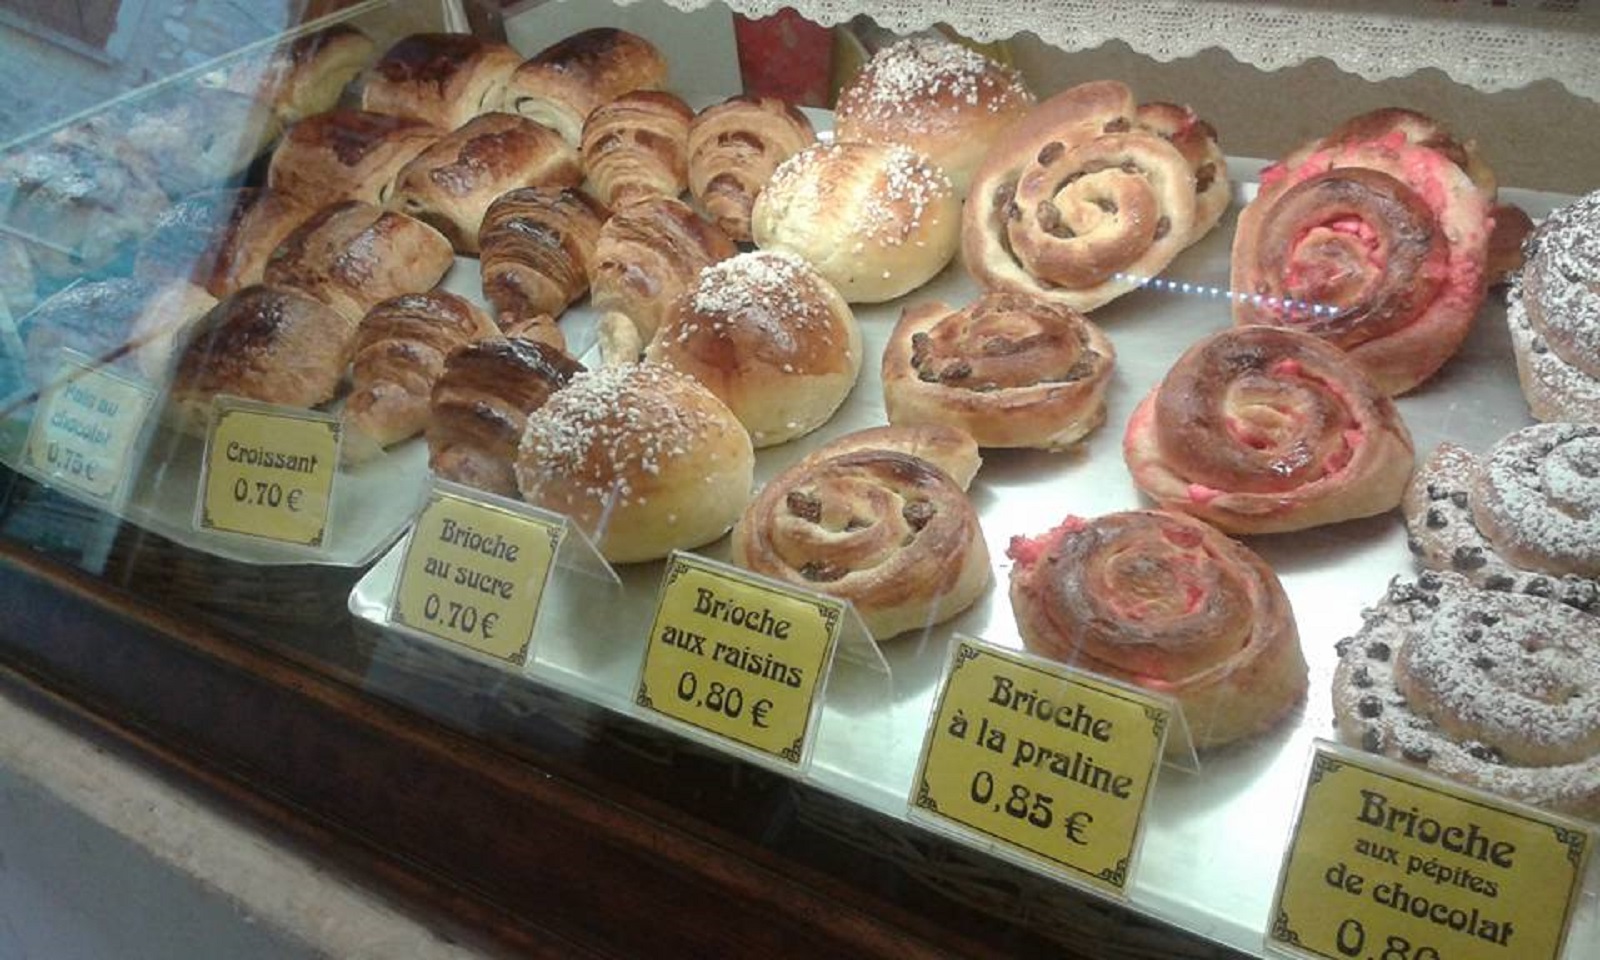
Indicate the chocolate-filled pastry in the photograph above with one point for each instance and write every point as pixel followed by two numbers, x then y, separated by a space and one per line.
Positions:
pixel 536 249
pixel 94 319
pixel 1379 247
pixel 1010 369
pixel 566 81
pixel 166 321
pixel 444 79
pixel 269 344
pixel 945 101
pixel 480 405
pixel 303 77
pixel 400 351
pixel 352 255
pixel 1266 430
pixel 450 185
pixel 198 137
pixel 346 155
pixel 642 458
pixel 1525 518
pixel 1554 315
pixel 1164 601
pixel 734 147
pixel 1499 691
pixel 219 239
pixel 770 337
pixel 637 147
pixel 647 255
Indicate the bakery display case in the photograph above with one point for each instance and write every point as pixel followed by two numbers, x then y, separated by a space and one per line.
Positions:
pixel 858 479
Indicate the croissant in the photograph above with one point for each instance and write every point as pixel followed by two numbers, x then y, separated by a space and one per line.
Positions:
pixel 400 351
pixel 480 405
pixel 733 149
pixel 648 255
pixel 637 146
pixel 566 81
pixel 536 250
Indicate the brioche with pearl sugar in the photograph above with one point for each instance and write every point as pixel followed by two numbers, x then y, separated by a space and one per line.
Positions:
pixel 1010 369
pixel 876 221
pixel 642 458
pixel 1165 602
pixel 1554 315
pixel 734 147
pixel 770 337
pixel 444 79
pixel 1500 691
pixel 941 99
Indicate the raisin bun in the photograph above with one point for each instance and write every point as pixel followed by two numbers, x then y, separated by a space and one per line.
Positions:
pixel 770 337
pixel 644 459
pixel 877 220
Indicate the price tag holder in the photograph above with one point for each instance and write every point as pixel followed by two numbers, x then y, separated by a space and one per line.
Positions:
pixel 268 472
pixel 85 431
pixel 1053 765
pixel 1389 863
pixel 474 571
pixel 739 656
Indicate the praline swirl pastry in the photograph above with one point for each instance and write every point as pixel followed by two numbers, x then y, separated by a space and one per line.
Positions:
pixel 1082 200
pixel 1499 691
pixel 1009 368
pixel 1378 247
pixel 1166 602
pixel 890 532
pixel 1524 519
pixel 1554 315
pixel 1266 430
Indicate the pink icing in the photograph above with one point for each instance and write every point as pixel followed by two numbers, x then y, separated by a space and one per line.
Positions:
pixel 1202 494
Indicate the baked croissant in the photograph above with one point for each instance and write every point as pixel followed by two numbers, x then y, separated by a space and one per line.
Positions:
pixel 561 85
pixel 480 405
pixel 648 255
pixel 637 146
pixel 536 249
pixel 733 149
pixel 400 352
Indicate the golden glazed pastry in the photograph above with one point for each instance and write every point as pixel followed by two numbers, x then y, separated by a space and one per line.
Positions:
pixel 444 79
pixel 400 352
pixel 1525 518
pixel 303 77
pixel 536 251
pixel 636 147
pixel 647 255
pixel 948 448
pixel 269 344
pixel 164 325
pixel 480 406
pixel 1554 315
pixel 892 533
pixel 219 239
pixel 1166 602
pixel 1379 247
pixel 450 185
pixel 1266 430
pixel 346 155
pixel 567 81
pixel 734 147
pixel 945 101
pixel 642 458
pixel 1090 195
pixel 1010 369
pixel 770 337
pixel 1500 691
pixel 876 221
pixel 352 255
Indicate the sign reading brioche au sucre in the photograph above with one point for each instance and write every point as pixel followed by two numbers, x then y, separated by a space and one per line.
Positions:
pixel 85 429
pixel 1049 761
pixel 475 571
pixel 1388 863
pixel 268 472
pixel 738 655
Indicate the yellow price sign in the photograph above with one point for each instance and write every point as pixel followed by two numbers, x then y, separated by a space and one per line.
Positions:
pixel 474 572
pixel 268 472
pixel 85 429
pixel 1051 762
pixel 738 655
pixel 1387 863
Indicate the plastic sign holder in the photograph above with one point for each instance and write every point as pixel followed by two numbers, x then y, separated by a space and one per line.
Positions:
pixel 268 472
pixel 89 430
pixel 1045 765
pixel 1388 862
pixel 741 661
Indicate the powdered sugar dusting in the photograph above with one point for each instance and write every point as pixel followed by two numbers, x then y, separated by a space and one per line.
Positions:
pixel 1561 283
pixel 1542 489
pixel 900 80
